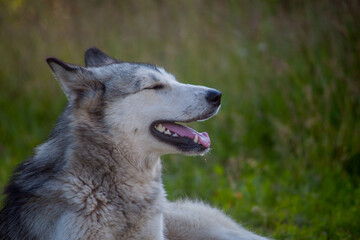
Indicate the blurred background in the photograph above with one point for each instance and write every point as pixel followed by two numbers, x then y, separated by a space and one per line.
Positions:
pixel 285 159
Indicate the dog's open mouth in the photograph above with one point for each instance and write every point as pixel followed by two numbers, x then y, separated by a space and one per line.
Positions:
pixel 185 138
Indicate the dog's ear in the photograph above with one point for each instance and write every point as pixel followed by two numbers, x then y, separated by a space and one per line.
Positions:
pixel 94 57
pixel 75 80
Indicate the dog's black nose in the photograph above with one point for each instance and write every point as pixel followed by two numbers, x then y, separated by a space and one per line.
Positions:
pixel 213 97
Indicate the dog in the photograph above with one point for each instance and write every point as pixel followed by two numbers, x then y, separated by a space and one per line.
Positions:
pixel 98 175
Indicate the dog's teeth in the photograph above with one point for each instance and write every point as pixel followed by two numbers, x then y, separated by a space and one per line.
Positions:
pixel 167 132
pixel 157 128
pixel 160 128
pixel 175 135
pixel 196 139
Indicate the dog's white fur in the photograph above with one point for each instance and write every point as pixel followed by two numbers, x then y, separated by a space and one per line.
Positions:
pixel 195 220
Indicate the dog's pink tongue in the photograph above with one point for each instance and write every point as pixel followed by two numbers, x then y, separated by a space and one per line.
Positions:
pixel 203 138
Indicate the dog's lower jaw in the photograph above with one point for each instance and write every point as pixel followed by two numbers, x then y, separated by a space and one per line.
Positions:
pixel 201 153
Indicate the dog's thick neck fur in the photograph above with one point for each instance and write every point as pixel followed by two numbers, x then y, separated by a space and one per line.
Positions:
pixel 99 194
pixel 117 165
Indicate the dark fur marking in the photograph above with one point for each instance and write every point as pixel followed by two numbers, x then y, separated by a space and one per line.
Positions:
pixel 66 66
pixel 137 85
pixel 15 202
pixel 96 58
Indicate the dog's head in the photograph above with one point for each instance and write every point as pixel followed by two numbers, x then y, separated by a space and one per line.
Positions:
pixel 138 104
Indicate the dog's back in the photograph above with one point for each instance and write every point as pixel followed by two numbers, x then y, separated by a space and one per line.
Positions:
pixel 31 206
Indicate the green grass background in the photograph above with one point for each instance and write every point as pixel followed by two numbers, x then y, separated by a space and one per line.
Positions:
pixel 285 158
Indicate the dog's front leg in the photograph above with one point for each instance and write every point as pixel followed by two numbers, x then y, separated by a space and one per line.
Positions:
pixel 196 220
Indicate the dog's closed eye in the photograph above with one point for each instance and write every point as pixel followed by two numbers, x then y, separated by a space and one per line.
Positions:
pixel 155 87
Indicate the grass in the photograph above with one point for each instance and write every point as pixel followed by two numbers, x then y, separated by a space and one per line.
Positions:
pixel 285 157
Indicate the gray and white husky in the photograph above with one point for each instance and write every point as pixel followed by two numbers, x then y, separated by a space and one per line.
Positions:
pixel 98 176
